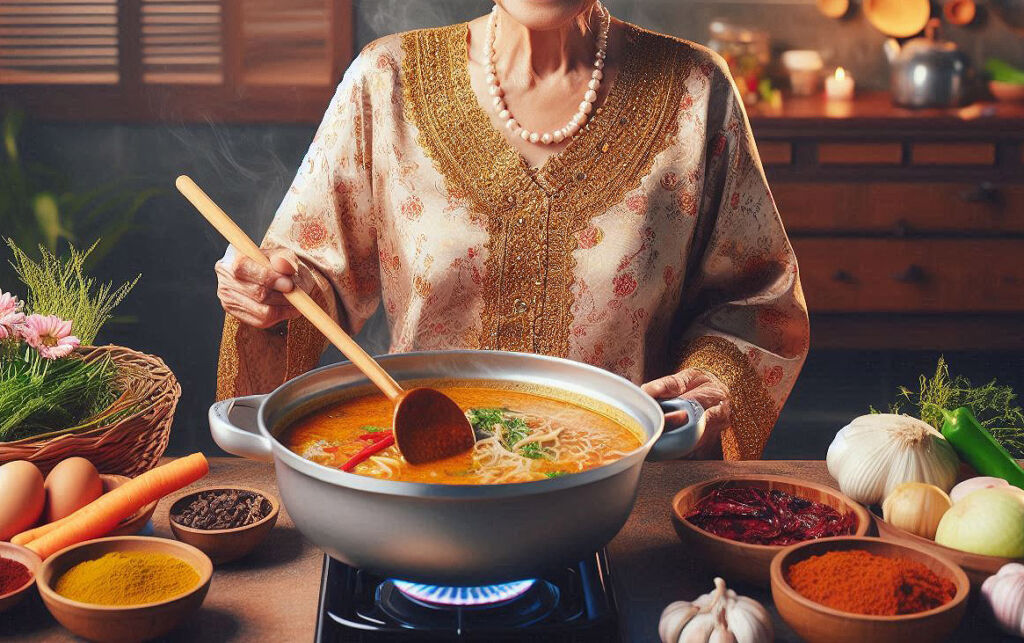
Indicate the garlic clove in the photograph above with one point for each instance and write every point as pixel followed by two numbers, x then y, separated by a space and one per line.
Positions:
pixel 674 618
pixel 699 629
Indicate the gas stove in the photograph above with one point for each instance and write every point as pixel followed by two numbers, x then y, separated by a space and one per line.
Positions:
pixel 574 604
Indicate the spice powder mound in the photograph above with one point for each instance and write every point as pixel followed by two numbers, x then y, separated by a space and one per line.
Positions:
pixel 12 575
pixel 860 582
pixel 128 578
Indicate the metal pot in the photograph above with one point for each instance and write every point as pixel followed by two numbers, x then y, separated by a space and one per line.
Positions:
pixel 453 534
pixel 929 73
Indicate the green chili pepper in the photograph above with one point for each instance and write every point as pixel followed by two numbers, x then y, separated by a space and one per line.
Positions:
pixel 977 446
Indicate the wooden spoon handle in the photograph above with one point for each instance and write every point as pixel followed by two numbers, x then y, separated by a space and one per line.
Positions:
pixel 297 297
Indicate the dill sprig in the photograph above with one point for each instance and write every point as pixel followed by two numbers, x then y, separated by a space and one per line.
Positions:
pixel 72 394
pixel 994 405
pixel 59 286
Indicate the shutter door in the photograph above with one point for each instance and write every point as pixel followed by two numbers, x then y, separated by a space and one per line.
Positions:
pixel 58 42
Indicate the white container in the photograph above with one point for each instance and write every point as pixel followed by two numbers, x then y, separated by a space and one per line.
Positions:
pixel 804 68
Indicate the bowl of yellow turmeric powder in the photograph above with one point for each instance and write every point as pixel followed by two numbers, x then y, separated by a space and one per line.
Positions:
pixel 124 588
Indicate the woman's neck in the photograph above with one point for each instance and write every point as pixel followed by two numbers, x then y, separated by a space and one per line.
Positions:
pixel 525 55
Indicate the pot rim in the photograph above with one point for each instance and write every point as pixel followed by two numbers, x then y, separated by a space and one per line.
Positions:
pixel 285 456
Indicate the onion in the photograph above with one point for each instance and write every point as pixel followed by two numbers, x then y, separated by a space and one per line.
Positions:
pixel 988 522
pixel 971 485
pixel 916 507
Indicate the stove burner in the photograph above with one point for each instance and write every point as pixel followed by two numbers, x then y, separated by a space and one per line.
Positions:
pixel 572 604
pixel 464 596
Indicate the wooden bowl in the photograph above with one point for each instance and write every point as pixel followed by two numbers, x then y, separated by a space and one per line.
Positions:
pixel 816 623
pixel 898 18
pixel 978 567
pixel 1008 92
pixel 136 522
pixel 734 560
pixel 29 559
pixel 225 545
pixel 118 623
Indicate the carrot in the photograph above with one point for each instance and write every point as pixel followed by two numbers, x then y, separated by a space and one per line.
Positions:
pixel 103 514
pixel 29 535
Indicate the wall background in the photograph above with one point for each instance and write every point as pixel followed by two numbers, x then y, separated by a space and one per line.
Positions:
pixel 247 169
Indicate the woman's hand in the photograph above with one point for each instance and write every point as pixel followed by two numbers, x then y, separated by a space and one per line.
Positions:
pixel 254 294
pixel 706 389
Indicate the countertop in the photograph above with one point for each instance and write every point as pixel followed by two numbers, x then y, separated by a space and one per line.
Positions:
pixel 271 595
pixel 875 111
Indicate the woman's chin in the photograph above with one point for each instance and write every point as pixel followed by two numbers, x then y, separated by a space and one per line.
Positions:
pixel 545 15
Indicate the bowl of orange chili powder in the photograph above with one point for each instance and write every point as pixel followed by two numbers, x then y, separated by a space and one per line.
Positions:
pixel 852 589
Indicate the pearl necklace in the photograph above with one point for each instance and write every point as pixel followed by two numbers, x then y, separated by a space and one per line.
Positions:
pixel 586 107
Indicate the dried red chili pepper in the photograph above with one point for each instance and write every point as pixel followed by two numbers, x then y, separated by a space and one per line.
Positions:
pixel 767 517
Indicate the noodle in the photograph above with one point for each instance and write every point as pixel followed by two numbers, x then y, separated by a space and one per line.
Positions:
pixel 521 437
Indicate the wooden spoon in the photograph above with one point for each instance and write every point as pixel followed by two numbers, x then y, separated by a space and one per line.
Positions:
pixel 428 425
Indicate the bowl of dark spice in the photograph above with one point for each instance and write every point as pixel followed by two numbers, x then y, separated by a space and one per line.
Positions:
pixel 18 567
pixel 225 523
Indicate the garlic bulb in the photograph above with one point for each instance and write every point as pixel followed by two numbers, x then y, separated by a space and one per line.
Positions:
pixel 874 453
pixel 1004 595
pixel 916 507
pixel 719 617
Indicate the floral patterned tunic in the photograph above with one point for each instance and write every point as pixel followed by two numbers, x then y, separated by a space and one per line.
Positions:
pixel 650 243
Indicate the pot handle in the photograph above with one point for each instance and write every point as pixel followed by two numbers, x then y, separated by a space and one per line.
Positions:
pixel 680 441
pixel 243 438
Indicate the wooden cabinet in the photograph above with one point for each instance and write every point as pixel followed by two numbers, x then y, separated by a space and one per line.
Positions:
pixel 908 225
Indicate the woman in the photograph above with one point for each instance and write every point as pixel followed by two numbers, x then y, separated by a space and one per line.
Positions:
pixel 544 179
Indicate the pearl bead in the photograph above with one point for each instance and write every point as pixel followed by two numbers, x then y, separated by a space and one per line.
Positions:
pixel 594 84
pixel 492 70
pixel 590 96
pixel 504 114
pixel 534 137
pixel 572 129
pixel 494 90
pixel 578 118
pixel 598 74
pixel 492 79
pixel 586 107
pixel 546 138
pixel 511 124
pixel 559 136
pixel 498 103
pixel 524 134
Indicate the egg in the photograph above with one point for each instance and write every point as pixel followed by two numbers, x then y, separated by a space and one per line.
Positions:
pixel 21 497
pixel 71 485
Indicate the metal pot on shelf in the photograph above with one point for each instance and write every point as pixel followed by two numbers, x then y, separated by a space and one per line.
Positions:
pixel 927 72
pixel 454 534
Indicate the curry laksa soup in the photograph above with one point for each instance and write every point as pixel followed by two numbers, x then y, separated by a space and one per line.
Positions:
pixel 523 433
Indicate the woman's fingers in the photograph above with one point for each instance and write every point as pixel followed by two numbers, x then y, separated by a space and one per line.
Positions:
pixel 245 269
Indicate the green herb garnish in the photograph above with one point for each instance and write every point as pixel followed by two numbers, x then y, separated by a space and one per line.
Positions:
pixel 533 451
pixel 555 474
pixel 993 405
pixel 370 428
pixel 514 430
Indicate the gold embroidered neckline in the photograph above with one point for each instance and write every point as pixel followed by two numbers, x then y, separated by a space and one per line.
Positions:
pixel 533 217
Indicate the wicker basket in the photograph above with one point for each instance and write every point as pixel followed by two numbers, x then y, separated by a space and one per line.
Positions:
pixel 132 444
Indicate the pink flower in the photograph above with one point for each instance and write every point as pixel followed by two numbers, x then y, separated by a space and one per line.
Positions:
pixel 11 317
pixel 50 336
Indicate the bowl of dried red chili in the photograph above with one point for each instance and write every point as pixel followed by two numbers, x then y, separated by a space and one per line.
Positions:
pixel 852 589
pixel 737 524
pixel 18 567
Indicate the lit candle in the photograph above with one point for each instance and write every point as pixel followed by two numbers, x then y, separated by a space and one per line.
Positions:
pixel 839 86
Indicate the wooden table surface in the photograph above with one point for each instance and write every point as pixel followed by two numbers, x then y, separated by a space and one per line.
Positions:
pixel 271 595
